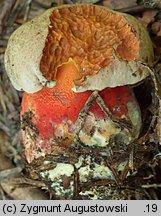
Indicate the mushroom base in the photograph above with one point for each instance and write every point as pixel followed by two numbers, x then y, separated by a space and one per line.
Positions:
pixel 94 119
pixel 68 153
pixel 76 172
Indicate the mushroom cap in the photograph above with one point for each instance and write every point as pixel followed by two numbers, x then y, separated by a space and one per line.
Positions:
pixel 109 49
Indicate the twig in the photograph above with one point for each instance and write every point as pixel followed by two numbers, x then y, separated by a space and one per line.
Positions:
pixel 5 12
pixel 84 110
pixel 41 4
pixel 28 5
pixel 143 6
pixel 2 101
pixel 17 11
pixel 4 128
pixel 15 190
pixel 9 173
pixel 150 3
pixel 159 123
pixel 2 194
pixel 133 9
pixel 155 186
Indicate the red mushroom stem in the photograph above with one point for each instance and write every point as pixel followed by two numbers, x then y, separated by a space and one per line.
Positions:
pixel 52 112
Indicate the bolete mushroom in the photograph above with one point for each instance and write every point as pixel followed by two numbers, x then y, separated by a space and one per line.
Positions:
pixel 76 64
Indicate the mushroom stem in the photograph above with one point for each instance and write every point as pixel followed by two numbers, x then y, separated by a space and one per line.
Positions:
pixel 60 116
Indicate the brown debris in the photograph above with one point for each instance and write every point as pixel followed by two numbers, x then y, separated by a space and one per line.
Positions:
pixel 5 10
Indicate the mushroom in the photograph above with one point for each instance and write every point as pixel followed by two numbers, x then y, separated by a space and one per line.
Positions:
pixel 77 65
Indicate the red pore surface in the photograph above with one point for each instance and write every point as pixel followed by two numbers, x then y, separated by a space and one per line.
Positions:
pixel 52 106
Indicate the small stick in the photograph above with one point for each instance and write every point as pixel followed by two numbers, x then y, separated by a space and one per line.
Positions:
pixel 155 186
pixel 9 173
pixel 159 123
pixel 83 112
pixel 5 12
pixel 28 5
pixel 133 9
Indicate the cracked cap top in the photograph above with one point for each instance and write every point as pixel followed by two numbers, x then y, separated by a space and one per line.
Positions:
pixel 108 48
